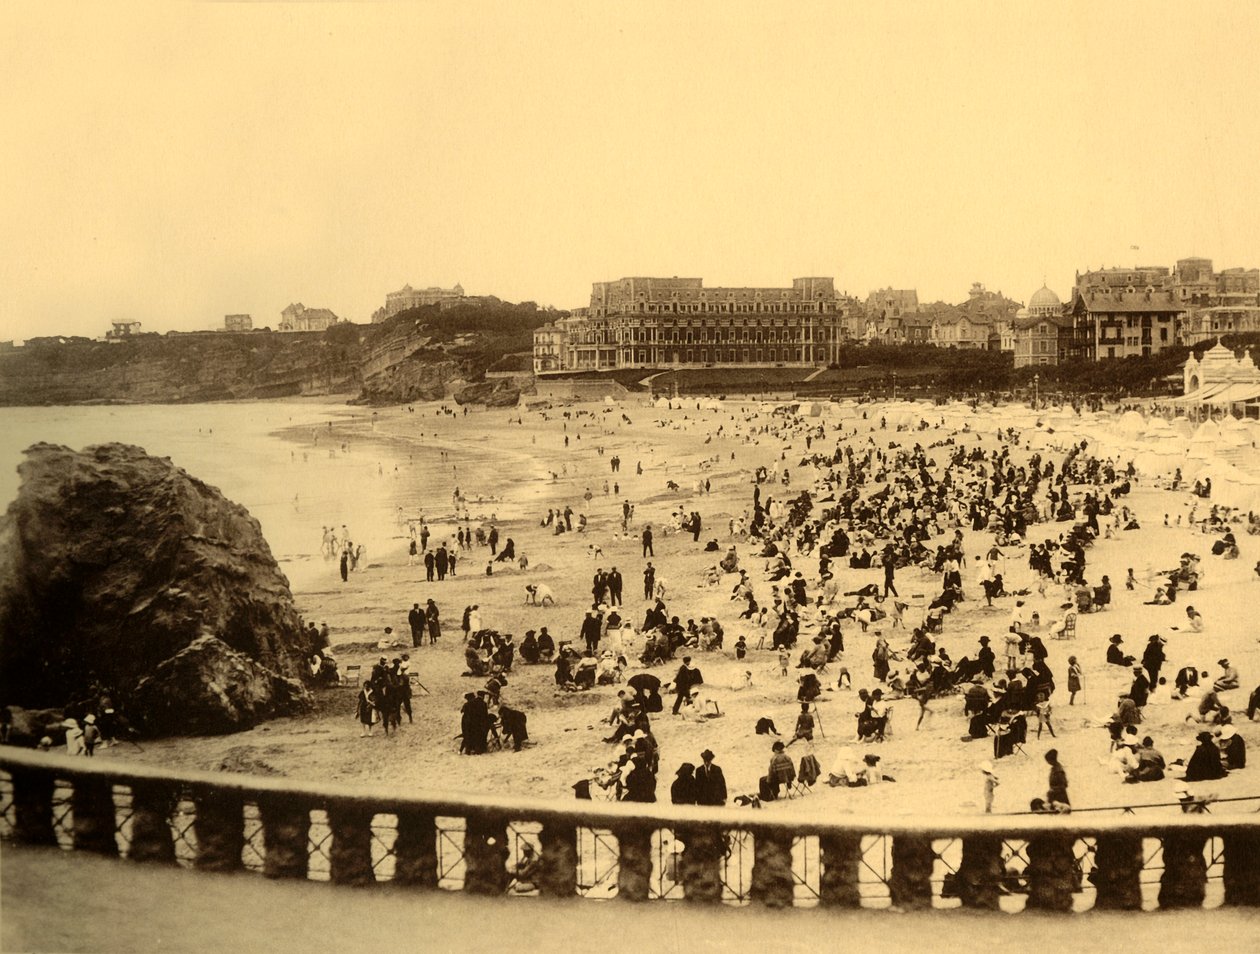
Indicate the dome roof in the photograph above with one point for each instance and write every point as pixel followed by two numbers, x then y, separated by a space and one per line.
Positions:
pixel 1043 297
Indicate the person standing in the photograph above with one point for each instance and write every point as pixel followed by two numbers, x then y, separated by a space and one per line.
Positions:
pixel 683 791
pixel 614 586
pixel 649 580
pixel 440 561
pixel 647 542
pixel 411 553
pixel 1075 683
pixel 1057 794
pixel 710 781
pixel 429 563
pixel 493 540
pixel 365 710
pixel 890 568
pixel 415 619
pixel 684 680
pixel 345 566
pixel 990 785
pixel 1153 660
pixel 431 616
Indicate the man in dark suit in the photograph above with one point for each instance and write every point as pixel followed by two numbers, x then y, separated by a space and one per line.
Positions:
pixel 416 619
pixel 614 586
pixel 710 782
pixel 687 677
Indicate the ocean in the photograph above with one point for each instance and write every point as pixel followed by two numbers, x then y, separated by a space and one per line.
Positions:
pixel 279 460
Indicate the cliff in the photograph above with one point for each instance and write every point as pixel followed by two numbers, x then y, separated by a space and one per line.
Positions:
pixel 182 368
pixel 418 355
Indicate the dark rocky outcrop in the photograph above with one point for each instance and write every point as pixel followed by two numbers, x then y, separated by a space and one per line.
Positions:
pixel 500 393
pixel 121 573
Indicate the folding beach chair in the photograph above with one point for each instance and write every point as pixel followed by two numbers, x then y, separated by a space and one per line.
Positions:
pixel 351 675
pixel 1002 729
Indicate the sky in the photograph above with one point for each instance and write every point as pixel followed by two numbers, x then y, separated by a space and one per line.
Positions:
pixel 172 164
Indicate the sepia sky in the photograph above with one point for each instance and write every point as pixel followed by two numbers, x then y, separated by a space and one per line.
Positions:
pixel 172 164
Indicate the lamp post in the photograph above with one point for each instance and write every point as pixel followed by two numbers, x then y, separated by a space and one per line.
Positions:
pixel 1036 390
pixel 894 376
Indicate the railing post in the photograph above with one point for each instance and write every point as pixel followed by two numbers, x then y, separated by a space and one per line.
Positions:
pixel 32 807
pixel 634 861
pixel 841 857
pixel 558 868
pixel 286 837
pixel 772 881
pixel 1118 872
pixel 350 856
pixel 980 872
pixel 485 854
pixel 1184 883
pixel 1051 872
pixel 1242 869
pixel 700 867
pixel 94 818
pixel 151 839
pixel 415 850
pixel 911 882
pixel 220 828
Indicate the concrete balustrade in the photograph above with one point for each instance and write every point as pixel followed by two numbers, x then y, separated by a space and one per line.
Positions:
pixel 284 807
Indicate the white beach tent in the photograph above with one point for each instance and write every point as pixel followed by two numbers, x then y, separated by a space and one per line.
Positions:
pixel 1131 424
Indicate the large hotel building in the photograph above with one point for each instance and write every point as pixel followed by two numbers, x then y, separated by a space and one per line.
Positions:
pixel 677 322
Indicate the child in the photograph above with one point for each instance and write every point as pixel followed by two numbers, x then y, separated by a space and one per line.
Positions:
pixel 1074 680
pixel 784 659
pixel 741 648
pixel 990 784
pixel 1012 652
pixel 1042 708
pixel 1130 581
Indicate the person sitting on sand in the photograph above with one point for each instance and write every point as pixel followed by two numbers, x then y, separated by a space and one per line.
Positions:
pixel 1228 678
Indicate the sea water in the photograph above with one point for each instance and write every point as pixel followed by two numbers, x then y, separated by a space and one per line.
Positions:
pixel 278 459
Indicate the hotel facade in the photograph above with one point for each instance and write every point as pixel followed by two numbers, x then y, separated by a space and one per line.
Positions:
pixel 677 322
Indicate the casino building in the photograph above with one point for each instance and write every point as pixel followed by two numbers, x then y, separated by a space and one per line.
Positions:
pixel 677 322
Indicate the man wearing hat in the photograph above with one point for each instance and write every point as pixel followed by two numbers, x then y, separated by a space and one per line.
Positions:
pixel 710 781
pixel 1228 678
pixel 685 679
pixel 1153 659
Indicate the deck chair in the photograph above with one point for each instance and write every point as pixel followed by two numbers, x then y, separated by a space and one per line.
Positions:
pixel 1068 629
pixel 351 675
pixel 414 679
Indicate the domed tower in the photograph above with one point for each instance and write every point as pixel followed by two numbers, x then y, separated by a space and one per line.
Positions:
pixel 1044 304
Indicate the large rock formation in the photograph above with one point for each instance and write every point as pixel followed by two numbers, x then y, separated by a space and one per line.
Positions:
pixel 121 573
pixel 501 393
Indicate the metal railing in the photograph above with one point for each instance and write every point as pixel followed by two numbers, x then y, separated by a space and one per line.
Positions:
pixel 284 828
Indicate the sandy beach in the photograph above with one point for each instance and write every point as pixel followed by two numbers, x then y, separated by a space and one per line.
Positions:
pixel 511 466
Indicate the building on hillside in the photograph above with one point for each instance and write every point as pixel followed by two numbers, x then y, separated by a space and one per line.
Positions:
pixel 408 297
pixel 122 329
pixel 677 322
pixel 548 348
pixel 297 317
pixel 237 323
